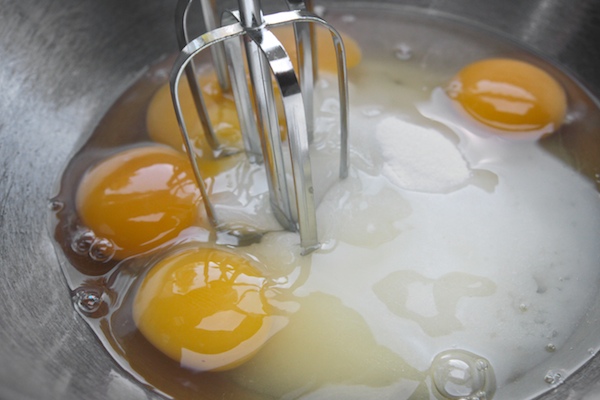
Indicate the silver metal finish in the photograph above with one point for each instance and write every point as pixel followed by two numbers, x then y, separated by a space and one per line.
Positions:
pixel 181 17
pixel 307 62
pixel 62 63
pixel 209 13
pixel 292 202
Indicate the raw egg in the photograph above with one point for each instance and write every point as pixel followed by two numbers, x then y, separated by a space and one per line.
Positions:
pixel 510 95
pixel 139 198
pixel 163 128
pixel 162 123
pixel 205 308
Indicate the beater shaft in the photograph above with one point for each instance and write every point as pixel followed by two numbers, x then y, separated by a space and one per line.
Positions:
pixel 286 157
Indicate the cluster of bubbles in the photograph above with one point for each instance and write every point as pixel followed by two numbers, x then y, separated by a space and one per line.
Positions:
pixel 85 242
pixel 550 347
pixel 554 377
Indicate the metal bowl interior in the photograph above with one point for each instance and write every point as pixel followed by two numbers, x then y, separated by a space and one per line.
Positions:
pixel 62 66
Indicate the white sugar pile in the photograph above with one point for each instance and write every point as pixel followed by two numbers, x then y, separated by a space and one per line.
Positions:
pixel 420 159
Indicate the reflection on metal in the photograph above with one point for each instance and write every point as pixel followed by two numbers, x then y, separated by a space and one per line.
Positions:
pixel 286 155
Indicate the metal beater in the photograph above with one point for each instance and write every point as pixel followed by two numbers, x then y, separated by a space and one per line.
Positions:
pixel 292 200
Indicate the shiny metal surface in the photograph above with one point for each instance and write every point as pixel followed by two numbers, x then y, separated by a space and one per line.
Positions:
pixel 61 65
pixel 267 59
pixel 181 18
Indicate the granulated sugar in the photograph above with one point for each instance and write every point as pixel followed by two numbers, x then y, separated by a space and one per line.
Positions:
pixel 418 158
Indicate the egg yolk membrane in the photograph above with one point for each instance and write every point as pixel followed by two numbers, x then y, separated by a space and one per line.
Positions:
pixel 510 95
pixel 205 308
pixel 139 198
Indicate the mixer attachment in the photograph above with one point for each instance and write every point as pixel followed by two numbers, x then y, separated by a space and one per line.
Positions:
pixel 289 174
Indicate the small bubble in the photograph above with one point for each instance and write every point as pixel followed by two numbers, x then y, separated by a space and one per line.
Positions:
pixel 102 250
pixel 88 300
pixel 572 117
pixel 553 377
pixel 523 307
pixel 82 242
pixel 550 348
pixel 403 52
pixel 479 396
pixel 55 205
pixel 592 351
pixel 482 364
pixel 348 18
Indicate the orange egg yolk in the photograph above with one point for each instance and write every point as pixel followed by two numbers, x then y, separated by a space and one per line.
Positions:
pixel 139 198
pixel 162 125
pixel 510 95
pixel 205 308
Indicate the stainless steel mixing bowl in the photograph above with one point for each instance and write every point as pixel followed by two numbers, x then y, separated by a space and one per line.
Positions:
pixel 62 63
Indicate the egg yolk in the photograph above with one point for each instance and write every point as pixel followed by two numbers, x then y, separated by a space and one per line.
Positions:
pixel 510 95
pixel 162 125
pixel 139 198
pixel 205 308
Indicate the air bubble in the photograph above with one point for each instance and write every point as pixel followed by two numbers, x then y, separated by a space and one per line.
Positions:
pixel 403 52
pixel 554 377
pixel 82 242
pixel 592 351
pixel 550 348
pixel 523 307
pixel 572 117
pixel 55 205
pixel 462 375
pixel 482 364
pixel 102 250
pixel 88 300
